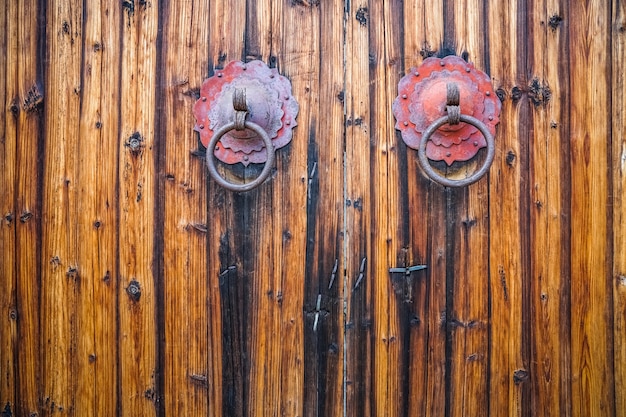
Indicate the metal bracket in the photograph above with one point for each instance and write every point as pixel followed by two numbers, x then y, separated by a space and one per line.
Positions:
pixel 407 270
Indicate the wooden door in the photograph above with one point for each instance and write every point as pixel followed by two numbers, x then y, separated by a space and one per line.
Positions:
pixel 132 285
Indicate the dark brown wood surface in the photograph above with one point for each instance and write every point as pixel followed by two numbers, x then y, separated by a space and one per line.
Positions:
pixel 131 284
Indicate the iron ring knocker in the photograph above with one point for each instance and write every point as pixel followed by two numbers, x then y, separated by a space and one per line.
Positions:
pixel 269 163
pixel 428 169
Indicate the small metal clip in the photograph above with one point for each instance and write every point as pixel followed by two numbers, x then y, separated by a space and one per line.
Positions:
pixel 318 307
pixel 334 274
pixel 361 274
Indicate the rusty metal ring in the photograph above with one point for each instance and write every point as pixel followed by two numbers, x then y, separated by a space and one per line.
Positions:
pixel 428 169
pixel 267 169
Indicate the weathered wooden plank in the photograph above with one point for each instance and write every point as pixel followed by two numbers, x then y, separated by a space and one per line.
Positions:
pixel 425 37
pixel 290 197
pixel 137 307
pixel 265 269
pixel 8 178
pixel 227 306
pixel 358 284
pixel 549 256
pixel 310 175
pixel 28 203
pixel 437 371
pixel 467 214
pixel 592 376
pixel 277 348
pixel 618 139
pixel 96 350
pixel 182 202
pixel 508 255
pixel 425 292
pixel 61 288
pixel 387 234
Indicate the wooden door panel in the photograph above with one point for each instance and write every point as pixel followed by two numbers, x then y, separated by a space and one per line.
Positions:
pixel 139 302
pixel 548 153
pixel 132 284
pixel 591 347
pixel 618 140
pixel 509 272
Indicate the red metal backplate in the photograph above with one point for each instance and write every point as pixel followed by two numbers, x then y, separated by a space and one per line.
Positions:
pixel 270 105
pixel 422 100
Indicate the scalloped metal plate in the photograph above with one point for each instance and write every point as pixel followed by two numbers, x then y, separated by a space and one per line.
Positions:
pixel 270 105
pixel 422 100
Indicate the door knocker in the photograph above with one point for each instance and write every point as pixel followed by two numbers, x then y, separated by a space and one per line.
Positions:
pixel 245 112
pixel 448 111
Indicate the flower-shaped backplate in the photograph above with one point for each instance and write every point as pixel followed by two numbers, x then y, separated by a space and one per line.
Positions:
pixel 421 100
pixel 270 105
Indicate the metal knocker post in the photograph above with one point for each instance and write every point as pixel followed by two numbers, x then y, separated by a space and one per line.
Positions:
pixel 447 110
pixel 245 112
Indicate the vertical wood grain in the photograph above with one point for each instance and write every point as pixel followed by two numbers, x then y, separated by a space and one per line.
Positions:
pixel 508 214
pixel 467 266
pixel 265 270
pixel 591 237
pixel 8 177
pixel 182 202
pixel 387 234
pixel 618 160
pixel 426 292
pixel 61 288
pixel 131 284
pixel 549 255
pixel 21 138
pixel 228 394
pixel 277 357
pixel 137 306
pixel 314 175
pixel 359 116
pixel 96 352
pixel 28 202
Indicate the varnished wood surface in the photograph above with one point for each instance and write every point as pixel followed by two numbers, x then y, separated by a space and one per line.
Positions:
pixel 618 164
pixel 131 284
